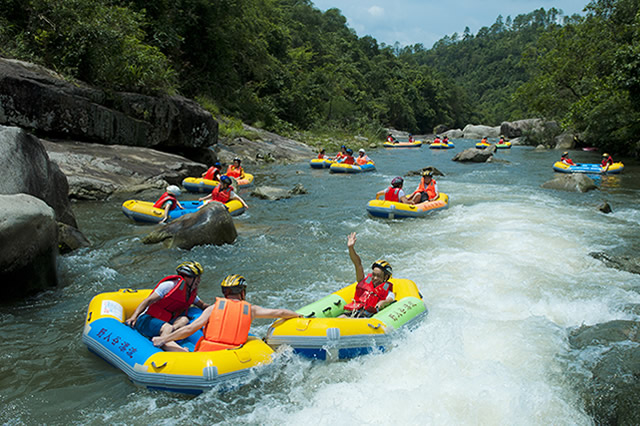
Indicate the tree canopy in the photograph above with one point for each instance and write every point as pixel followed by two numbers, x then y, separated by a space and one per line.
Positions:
pixel 284 64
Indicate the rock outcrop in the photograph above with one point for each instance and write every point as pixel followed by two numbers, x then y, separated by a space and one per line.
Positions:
pixel 472 131
pixel 212 224
pixel 28 246
pixel 571 182
pixel 623 263
pixel 95 171
pixel 265 147
pixel 26 168
pixel 35 98
pixel 475 155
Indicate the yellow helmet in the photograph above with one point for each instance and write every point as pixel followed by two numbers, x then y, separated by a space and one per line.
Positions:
pixel 384 265
pixel 234 281
pixel 605 155
pixel 190 269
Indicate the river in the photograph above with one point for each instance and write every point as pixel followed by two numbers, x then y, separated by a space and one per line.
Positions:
pixel 505 273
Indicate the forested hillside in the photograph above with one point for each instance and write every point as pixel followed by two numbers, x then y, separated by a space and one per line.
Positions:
pixel 285 65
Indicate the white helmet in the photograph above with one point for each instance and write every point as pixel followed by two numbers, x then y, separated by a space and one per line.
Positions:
pixel 173 189
pixel 361 150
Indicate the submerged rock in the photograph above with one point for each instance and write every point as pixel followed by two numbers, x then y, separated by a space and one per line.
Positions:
pixel 212 224
pixel 612 391
pixel 604 207
pixel 273 193
pixel 575 182
pixel 623 263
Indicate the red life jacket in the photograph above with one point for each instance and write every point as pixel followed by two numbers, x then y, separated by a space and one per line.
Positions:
pixel 211 173
pixel 429 189
pixel 391 194
pixel 174 303
pixel 410 138
pixel 349 160
pixel 227 327
pixel 221 195
pixel 235 172
pixel 321 156
pixel 607 161
pixel 164 198
pixel 390 138
pixel 568 161
pixel 437 140
pixel 367 296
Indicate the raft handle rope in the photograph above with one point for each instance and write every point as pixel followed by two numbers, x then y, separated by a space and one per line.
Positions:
pixel 326 310
pixel 375 327
pixel 129 290
pixel 311 315
pixel 153 364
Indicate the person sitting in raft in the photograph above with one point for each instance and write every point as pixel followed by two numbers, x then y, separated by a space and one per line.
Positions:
pixel 445 140
pixel 566 160
pixel 410 138
pixel 213 173
pixel 607 160
pixel 341 155
pixel 168 201
pixel 437 140
pixel 484 140
pixel 427 189
pixel 394 192
pixel 321 154
pixel 226 323
pixel 391 139
pixel 374 291
pixel 349 157
pixel 235 170
pixel 362 158
pixel 223 192
pixel 164 310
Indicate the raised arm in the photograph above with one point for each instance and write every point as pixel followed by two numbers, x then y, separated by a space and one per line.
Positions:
pixel 355 259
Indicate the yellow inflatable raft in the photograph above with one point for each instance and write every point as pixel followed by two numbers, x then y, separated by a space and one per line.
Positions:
pixel 106 335
pixel 322 335
pixel 414 144
pixel 143 211
pixel 395 210
pixel 193 184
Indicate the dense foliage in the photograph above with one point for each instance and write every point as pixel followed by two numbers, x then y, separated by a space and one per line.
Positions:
pixel 284 65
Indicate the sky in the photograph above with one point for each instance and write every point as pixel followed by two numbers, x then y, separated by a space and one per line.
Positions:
pixel 409 22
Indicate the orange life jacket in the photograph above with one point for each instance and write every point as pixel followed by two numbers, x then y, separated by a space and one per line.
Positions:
pixel 429 189
pixel 164 198
pixel 218 194
pixel 362 160
pixel 227 327
pixel 367 296
pixel 235 171
pixel 175 302
pixel 212 173
pixel 391 194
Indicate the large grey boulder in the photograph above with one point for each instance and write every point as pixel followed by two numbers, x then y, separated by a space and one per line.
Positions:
pixel 472 131
pixel 475 155
pixel 453 134
pixel 26 168
pixel 96 171
pixel 212 224
pixel 36 98
pixel 565 141
pixel 571 182
pixel 28 246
